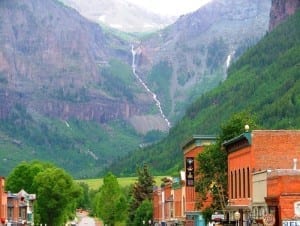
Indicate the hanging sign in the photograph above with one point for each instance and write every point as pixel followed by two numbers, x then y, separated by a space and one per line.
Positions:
pixel 269 219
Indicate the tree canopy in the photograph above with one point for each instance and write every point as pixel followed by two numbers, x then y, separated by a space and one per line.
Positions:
pixel 109 202
pixel 56 192
pixel 22 176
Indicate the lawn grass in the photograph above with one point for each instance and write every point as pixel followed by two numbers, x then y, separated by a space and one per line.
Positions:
pixel 95 184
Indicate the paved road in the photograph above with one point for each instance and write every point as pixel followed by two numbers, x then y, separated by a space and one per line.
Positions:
pixel 87 221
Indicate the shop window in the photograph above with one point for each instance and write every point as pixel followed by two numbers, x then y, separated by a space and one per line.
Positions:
pixel 235 180
pixel 231 183
pixel 248 182
pixel 244 183
pixel 10 213
pixel 240 184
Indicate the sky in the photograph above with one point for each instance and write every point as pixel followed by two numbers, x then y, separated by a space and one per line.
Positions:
pixel 170 7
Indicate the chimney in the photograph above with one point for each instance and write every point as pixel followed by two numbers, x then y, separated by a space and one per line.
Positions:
pixel 295 164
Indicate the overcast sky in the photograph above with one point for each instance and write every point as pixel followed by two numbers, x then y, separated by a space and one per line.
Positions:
pixel 170 7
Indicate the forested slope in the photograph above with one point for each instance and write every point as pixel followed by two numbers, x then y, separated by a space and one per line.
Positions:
pixel 264 81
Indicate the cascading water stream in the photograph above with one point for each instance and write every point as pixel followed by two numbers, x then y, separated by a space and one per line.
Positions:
pixel 154 96
pixel 229 58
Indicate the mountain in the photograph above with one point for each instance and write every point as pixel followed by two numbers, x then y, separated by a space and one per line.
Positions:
pixel 281 10
pixel 198 48
pixel 52 59
pixel 264 81
pixel 120 14
pixel 68 93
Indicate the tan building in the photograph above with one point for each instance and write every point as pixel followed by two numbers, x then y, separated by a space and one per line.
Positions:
pixel 259 206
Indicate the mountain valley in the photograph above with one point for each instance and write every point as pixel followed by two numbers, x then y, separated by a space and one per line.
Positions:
pixel 70 93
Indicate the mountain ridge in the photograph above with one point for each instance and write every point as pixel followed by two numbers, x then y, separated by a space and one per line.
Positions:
pixel 70 96
pixel 121 15
pixel 264 82
pixel 197 50
pixel 73 57
pixel 59 74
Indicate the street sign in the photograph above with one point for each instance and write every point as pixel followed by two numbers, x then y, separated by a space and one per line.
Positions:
pixel 217 217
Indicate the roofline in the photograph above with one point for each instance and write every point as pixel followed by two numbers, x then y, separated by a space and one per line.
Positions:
pixel 197 137
pixel 246 135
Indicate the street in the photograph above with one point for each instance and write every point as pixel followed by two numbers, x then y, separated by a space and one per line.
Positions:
pixel 87 221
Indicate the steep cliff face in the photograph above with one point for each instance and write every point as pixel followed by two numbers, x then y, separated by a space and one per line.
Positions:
pixel 200 46
pixel 52 62
pixel 280 10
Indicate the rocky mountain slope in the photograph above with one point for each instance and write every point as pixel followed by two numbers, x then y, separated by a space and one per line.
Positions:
pixel 53 63
pixel 67 90
pixel 199 47
pixel 281 10
pixel 263 83
pixel 120 14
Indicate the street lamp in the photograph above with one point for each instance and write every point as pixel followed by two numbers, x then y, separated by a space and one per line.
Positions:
pixel 237 217
pixel 149 222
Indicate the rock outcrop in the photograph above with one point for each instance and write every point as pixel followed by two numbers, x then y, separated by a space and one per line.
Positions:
pixel 280 10
pixel 200 46
pixel 51 63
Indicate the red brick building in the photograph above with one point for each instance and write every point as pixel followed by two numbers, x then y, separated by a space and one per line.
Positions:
pixel 283 195
pixel 15 209
pixel 175 203
pixel 262 151
pixel 3 202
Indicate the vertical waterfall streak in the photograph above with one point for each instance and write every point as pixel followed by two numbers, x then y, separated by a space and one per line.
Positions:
pixel 154 96
pixel 229 59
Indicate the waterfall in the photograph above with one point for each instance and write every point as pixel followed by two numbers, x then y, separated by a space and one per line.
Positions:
pixel 228 60
pixel 154 96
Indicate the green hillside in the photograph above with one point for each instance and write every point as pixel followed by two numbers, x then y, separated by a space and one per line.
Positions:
pixel 82 148
pixel 264 81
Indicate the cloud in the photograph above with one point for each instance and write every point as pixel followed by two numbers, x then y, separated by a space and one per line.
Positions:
pixel 170 7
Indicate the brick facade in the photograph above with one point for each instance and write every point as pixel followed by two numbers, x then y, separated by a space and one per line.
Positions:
pixel 256 151
pixel 3 202
pixel 175 203
pixel 15 209
pixel 283 191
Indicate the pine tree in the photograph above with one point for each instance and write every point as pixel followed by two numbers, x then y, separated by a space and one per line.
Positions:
pixel 141 190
